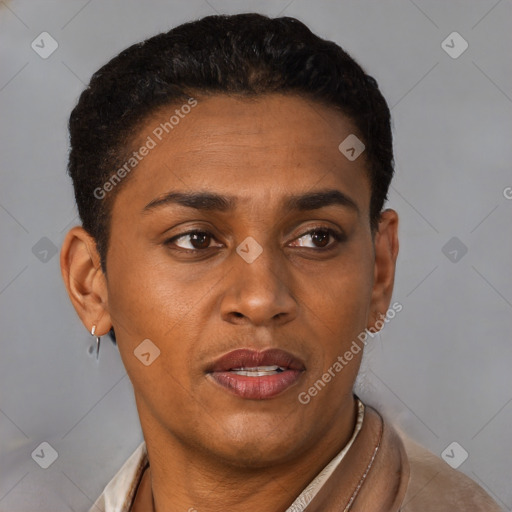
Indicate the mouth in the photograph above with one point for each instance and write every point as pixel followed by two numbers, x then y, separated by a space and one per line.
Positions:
pixel 256 375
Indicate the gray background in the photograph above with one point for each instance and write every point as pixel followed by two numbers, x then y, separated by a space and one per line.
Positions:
pixel 440 370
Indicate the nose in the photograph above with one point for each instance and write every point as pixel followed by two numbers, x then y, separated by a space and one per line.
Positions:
pixel 259 292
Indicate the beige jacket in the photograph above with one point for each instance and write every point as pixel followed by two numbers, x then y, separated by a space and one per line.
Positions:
pixel 403 477
pixel 435 486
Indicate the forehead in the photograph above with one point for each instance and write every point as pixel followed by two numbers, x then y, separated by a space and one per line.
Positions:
pixel 258 148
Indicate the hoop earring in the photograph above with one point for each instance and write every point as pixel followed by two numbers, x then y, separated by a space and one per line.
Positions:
pixel 98 339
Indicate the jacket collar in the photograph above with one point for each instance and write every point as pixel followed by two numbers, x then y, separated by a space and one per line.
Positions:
pixel 373 476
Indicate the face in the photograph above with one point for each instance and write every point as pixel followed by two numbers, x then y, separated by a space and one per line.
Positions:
pixel 281 256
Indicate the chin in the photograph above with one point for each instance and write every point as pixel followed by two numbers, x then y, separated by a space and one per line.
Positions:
pixel 251 442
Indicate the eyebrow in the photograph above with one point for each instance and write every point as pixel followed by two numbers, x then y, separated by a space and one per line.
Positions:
pixel 208 201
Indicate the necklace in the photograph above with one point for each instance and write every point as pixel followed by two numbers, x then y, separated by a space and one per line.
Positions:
pixel 367 470
pixel 307 495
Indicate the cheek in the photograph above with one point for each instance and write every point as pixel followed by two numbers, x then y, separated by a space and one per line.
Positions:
pixel 147 296
pixel 156 323
pixel 151 299
pixel 341 295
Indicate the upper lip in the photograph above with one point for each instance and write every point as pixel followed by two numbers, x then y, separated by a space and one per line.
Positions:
pixel 248 358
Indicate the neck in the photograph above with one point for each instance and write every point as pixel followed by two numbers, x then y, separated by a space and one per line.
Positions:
pixel 185 478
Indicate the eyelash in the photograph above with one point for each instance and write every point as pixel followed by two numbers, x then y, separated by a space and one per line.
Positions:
pixel 336 235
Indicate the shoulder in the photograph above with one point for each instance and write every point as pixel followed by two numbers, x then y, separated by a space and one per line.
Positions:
pixel 436 487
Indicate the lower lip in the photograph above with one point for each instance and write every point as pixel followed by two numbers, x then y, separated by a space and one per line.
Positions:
pixel 256 388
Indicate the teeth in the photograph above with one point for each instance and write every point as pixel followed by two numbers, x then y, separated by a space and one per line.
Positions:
pixel 258 368
pixel 258 371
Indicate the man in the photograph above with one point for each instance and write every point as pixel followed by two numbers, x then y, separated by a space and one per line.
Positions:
pixel 230 176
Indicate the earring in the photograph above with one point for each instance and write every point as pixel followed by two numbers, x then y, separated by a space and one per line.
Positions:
pixel 98 339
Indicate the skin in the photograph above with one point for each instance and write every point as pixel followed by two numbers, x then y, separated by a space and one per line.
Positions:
pixel 209 449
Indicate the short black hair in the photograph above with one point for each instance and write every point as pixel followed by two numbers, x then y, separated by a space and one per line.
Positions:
pixel 245 54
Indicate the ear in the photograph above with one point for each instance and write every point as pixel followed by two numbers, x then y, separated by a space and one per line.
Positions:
pixel 386 252
pixel 85 282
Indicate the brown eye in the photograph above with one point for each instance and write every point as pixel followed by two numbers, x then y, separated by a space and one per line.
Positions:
pixel 200 240
pixel 192 241
pixel 319 238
